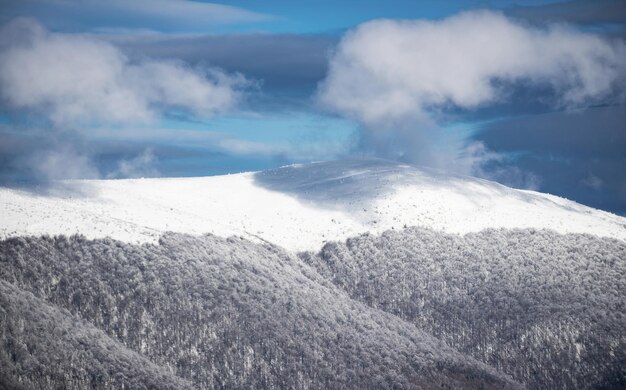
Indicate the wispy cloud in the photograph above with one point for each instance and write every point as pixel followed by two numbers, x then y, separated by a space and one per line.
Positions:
pixel 139 166
pixel 160 15
pixel 288 65
pixel 578 155
pixel 62 161
pixel 223 142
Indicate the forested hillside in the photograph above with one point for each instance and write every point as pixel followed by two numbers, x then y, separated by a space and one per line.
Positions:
pixel 205 311
pixel 407 309
pixel 546 308
pixel 45 347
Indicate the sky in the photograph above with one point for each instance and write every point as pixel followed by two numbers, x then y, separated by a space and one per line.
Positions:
pixel 527 93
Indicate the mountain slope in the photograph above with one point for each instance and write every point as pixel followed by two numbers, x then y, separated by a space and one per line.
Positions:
pixel 43 346
pixel 226 313
pixel 411 308
pixel 546 308
pixel 297 207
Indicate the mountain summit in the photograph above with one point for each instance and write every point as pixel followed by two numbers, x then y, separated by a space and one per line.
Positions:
pixel 298 207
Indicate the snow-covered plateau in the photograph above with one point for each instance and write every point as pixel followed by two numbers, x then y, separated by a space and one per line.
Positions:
pixel 298 207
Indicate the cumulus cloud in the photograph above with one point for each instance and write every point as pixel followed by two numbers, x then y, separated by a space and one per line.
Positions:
pixel 386 69
pixel 73 80
pixel 399 78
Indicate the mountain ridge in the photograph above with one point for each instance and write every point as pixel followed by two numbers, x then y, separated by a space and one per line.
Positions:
pixel 298 207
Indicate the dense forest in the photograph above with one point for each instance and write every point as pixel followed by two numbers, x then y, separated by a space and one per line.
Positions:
pixel 408 309
pixel 45 347
pixel 203 312
pixel 545 308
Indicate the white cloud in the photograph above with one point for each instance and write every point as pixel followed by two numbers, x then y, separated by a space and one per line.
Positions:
pixel 399 78
pixel 74 80
pixel 385 70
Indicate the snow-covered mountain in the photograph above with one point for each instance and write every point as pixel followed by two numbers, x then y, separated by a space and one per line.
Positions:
pixel 298 207
pixel 521 299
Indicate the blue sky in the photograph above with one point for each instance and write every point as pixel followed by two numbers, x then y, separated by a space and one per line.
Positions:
pixel 268 83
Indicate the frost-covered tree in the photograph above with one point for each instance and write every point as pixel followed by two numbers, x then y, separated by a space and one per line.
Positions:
pixel 546 308
pixel 211 312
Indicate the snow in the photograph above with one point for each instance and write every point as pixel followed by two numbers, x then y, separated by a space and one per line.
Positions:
pixel 297 207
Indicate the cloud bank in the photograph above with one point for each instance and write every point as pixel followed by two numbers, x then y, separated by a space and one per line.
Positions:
pixel 399 78
pixel 72 80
